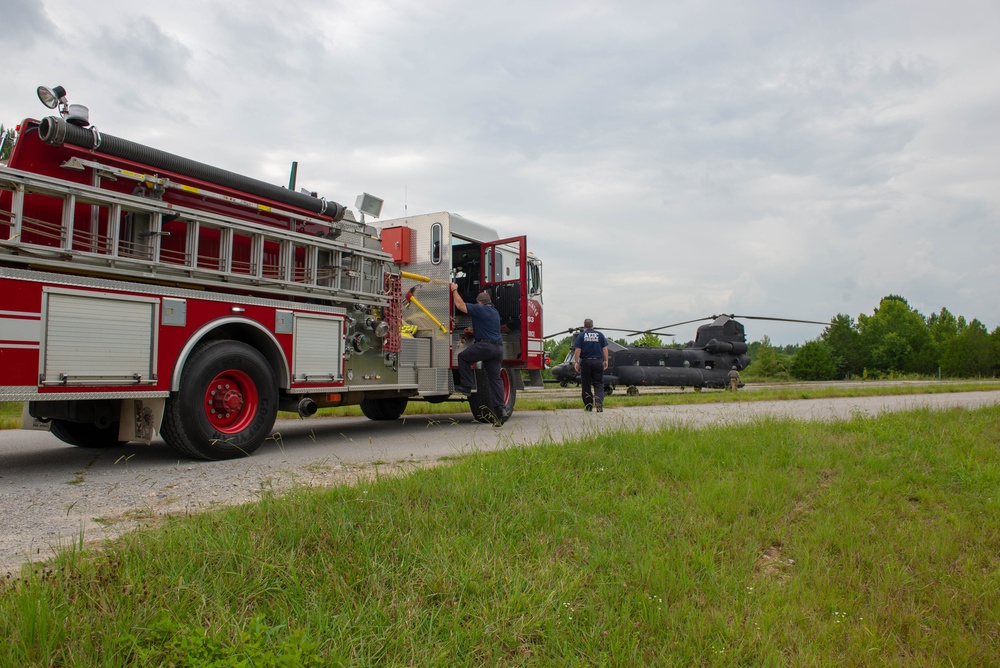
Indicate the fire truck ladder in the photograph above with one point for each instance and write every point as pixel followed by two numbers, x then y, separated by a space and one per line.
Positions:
pixel 122 235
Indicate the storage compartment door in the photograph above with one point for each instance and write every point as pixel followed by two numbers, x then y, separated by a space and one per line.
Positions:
pixel 318 355
pixel 93 338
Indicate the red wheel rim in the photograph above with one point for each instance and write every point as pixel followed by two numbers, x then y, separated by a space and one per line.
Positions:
pixel 231 401
pixel 505 379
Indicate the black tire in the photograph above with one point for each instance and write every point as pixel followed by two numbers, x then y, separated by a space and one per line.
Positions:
pixel 563 383
pixel 609 390
pixel 226 405
pixel 86 434
pixel 632 391
pixel 383 409
pixel 481 402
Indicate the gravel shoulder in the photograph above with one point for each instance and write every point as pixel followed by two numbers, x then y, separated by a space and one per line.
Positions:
pixel 53 496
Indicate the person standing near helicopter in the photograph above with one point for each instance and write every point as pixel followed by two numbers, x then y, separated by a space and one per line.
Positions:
pixel 734 379
pixel 590 359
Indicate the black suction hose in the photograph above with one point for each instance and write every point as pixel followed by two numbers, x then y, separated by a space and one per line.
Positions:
pixel 56 131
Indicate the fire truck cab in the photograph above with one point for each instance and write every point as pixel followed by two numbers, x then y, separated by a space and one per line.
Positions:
pixel 142 292
pixel 435 250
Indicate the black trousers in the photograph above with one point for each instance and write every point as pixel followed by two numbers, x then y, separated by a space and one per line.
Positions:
pixel 491 355
pixel 592 381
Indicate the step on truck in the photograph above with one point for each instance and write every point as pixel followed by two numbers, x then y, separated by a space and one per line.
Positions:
pixel 144 293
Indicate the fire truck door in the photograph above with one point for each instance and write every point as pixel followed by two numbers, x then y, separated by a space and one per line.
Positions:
pixel 504 275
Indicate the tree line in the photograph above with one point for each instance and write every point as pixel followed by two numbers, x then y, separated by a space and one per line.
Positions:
pixel 895 340
pixel 9 135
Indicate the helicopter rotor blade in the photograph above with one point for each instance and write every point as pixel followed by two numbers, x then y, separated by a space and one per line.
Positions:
pixel 676 324
pixel 565 331
pixel 617 329
pixel 573 330
pixel 759 317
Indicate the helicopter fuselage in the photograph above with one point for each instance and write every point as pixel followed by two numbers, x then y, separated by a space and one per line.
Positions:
pixel 705 362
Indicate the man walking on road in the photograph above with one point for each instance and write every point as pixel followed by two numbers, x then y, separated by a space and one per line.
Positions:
pixel 590 354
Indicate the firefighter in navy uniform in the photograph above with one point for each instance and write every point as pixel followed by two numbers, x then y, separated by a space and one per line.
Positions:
pixel 487 348
pixel 590 353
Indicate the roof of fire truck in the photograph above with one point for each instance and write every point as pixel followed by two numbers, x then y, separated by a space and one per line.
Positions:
pixel 458 225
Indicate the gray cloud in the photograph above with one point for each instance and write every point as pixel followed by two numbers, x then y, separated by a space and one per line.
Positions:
pixel 679 159
pixel 142 51
pixel 25 23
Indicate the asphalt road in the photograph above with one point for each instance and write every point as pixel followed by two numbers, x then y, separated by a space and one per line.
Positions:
pixel 53 495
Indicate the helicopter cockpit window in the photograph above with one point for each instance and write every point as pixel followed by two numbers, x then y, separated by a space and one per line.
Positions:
pixel 436 231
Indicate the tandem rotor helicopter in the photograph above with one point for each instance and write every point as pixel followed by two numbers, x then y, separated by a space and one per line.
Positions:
pixel 718 347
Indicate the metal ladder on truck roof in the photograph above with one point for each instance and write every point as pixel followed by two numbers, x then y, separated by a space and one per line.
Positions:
pixel 123 236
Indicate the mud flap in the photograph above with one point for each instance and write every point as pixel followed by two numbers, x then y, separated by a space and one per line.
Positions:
pixel 33 423
pixel 140 419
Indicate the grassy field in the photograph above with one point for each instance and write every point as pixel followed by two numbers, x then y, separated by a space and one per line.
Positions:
pixel 869 542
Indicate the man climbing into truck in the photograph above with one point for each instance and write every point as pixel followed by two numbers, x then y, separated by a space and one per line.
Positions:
pixel 487 348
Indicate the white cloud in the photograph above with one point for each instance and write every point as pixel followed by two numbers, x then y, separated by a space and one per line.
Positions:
pixel 668 160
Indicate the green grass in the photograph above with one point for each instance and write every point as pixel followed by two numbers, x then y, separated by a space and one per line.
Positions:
pixel 867 542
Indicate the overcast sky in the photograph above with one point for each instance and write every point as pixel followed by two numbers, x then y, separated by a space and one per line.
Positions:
pixel 667 160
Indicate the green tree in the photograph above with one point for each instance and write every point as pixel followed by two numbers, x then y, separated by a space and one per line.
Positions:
pixel 767 363
pixel 995 347
pixel 844 343
pixel 970 353
pixel 8 144
pixel 648 340
pixel 896 338
pixel 943 327
pixel 814 361
pixel 892 353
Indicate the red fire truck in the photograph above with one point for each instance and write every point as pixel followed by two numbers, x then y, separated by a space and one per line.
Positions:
pixel 142 292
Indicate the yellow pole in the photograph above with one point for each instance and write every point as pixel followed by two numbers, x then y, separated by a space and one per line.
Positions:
pixel 429 314
pixel 414 277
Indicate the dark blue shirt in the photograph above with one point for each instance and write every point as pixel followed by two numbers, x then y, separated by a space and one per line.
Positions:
pixel 591 344
pixel 485 322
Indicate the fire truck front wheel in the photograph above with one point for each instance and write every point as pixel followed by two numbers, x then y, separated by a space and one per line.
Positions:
pixel 481 402
pixel 227 403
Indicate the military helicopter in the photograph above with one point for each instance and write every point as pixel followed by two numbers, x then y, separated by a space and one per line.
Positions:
pixel 717 348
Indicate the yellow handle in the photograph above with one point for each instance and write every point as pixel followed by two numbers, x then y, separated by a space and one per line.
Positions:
pixel 414 277
pixel 430 315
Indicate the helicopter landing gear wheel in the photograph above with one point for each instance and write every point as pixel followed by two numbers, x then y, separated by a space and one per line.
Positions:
pixel 632 391
pixel 697 388
pixel 609 390
pixel 563 383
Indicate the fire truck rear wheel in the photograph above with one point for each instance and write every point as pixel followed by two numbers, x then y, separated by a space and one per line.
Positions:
pixel 383 409
pixel 227 403
pixel 86 435
pixel 479 402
